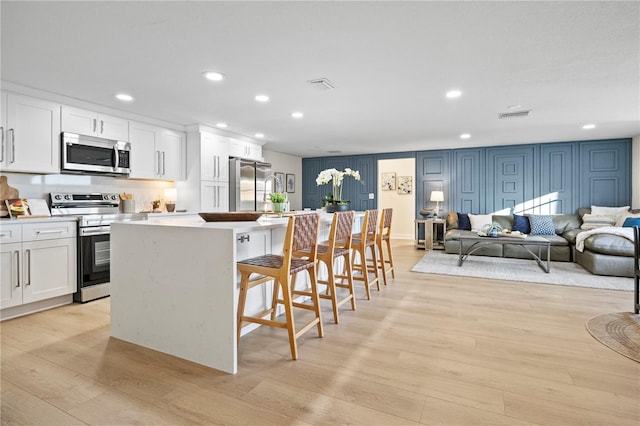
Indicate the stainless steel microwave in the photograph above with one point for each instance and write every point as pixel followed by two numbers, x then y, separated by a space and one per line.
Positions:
pixel 91 155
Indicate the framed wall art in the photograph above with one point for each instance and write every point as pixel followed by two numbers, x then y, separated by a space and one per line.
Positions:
pixel 278 182
pixel 388 181
pixel 291 182
pixel 405 184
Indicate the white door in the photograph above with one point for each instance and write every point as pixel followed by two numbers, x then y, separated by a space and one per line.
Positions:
pixel 144 139
pixel 10 277
pixel 49 269
pixel 33 137
pixel 172 155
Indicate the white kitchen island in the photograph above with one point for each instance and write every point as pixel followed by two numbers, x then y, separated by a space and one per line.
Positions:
pixel 174 285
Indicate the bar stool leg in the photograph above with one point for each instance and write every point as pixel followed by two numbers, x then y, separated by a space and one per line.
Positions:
pixel 362 267
pixel 288 311
pixel 374 258
pixel 316 299
pixel 382 262
pixel 390 261
pixel 331 289
pixel 242 298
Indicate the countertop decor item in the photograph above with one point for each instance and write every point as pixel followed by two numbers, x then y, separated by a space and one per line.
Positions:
pixel 231 216
pixel 335 177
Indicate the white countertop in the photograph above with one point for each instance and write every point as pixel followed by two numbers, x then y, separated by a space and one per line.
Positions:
pixel 268 221
pixel 14 221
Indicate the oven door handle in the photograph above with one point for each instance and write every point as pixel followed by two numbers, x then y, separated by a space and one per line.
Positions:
pixel 101 230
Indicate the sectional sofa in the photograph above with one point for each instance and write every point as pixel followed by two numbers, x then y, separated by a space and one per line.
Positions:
pixel 603 253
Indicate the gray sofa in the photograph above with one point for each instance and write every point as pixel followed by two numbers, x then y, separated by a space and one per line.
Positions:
pixel 566 226
pixel 603 254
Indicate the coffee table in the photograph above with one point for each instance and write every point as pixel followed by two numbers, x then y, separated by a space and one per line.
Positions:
pixel 479 242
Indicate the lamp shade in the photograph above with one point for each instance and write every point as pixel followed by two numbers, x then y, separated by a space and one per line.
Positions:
pixel 437 196
pixel 170 194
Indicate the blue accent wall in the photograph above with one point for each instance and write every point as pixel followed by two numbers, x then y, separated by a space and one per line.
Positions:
pixel 534 178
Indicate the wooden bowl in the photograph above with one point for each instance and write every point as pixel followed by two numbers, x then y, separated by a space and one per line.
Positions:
pixel 231 216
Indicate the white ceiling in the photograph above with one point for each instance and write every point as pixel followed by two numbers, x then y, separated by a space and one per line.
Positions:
pixel 571 63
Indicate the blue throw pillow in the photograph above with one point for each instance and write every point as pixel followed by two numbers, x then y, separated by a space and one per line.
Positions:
pixel 521 223
pixel 542 225
pixel 464 223
pixel 630 222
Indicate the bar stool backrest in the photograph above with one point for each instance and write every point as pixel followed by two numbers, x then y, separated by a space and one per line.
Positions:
pixel 385 222
pixel 305 233
pixel 371 218
pixel 343 222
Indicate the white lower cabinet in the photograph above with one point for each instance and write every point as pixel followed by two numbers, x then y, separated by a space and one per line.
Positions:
pixel 38 262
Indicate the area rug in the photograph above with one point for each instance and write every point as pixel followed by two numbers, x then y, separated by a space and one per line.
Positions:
pixel 619 331
pixel 497 268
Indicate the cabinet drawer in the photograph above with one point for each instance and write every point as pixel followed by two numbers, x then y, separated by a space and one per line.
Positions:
pixel 48 231
pixel 10 233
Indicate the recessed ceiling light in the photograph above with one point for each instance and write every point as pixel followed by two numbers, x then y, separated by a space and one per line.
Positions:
pixel 297 114
pixel 222 125
pixel 465 136
pixel 589 126
pixel 453 94
pixel 259 135
pixel 262 98
pixel 124 97
pixel 213 75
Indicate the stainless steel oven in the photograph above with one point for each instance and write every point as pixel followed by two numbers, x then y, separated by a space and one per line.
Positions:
pixel 96 212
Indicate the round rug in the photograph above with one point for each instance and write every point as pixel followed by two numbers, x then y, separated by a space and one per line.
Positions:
pixel 619 331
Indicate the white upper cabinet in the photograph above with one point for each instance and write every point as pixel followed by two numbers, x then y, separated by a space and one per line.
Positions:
pixel 248 150
pixel 84 122
pixel 30 140
pixel 143 139
pixel 214 158
pixel 156 153
pixel 172 152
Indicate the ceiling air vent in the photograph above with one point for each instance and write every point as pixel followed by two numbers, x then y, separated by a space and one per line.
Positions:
pixel 321 84
pixel 514 114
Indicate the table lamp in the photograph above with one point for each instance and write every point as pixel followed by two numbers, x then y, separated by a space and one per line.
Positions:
pixel 170 196
pixel 437 196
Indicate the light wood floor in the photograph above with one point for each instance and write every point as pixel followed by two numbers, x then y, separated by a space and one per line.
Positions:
pixel 425 350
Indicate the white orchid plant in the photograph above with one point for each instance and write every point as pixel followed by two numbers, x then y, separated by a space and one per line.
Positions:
pixel 336 176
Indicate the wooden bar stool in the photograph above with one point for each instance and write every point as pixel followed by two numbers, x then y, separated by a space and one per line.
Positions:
pixel 338 246
pixel 385 262
pixel 302 233
pixel 359 243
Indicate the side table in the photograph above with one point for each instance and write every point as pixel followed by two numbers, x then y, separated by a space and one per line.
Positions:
pixel 430 241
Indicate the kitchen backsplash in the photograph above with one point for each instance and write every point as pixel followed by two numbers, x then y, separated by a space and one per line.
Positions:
pixel 39 186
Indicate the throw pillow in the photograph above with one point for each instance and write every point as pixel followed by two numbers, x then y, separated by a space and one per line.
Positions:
pixel 479 220
pixel 521 223
pixel 608 211
pixel 630 222
pixel 542 225
pixel 621 219
pixel 464 223
pixel 593 221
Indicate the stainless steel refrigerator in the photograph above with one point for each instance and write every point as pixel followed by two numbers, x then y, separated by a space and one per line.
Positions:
pixel 248 187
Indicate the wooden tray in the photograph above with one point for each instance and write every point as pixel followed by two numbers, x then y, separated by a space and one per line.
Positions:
pixel 231 217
